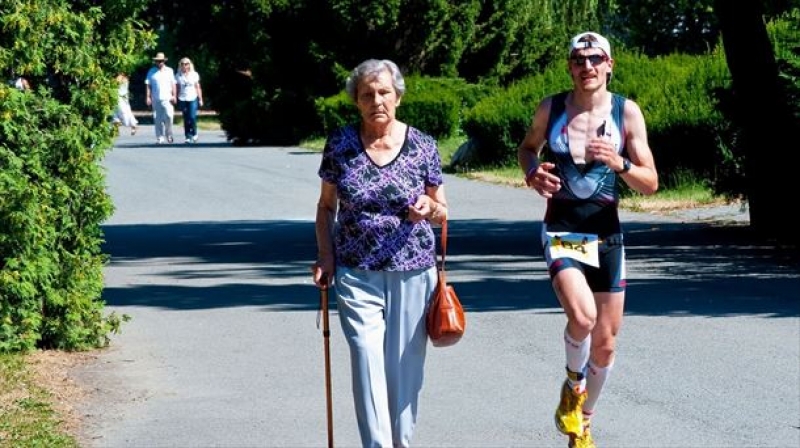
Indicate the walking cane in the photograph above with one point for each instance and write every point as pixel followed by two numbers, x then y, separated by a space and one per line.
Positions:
pixel 326 332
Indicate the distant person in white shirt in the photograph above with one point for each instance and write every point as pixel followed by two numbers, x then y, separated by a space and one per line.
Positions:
pixel 123 115
pixel 21 83
pixel 190 97
pixel 161 96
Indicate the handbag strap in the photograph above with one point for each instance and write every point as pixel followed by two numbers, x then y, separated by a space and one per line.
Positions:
pixel 444 243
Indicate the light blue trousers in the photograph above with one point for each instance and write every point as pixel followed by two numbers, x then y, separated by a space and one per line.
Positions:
pixel 163 116
pixel 383 319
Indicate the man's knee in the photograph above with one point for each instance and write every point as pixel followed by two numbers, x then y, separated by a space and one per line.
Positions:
pixel 603 352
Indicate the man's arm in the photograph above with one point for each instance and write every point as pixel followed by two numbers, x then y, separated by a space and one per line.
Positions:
pixel 528 150
pixel 537 175
pixel 642 175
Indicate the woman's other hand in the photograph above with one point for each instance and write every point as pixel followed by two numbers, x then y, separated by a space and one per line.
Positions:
pixel 422 209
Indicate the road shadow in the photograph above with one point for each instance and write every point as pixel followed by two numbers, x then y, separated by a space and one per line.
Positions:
pixel 675 268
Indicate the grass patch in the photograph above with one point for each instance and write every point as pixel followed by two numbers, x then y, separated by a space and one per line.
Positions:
pixel 207 123
pixel 206 120
pixel 26 415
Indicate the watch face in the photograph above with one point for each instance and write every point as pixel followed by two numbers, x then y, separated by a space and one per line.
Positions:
pixel 626 166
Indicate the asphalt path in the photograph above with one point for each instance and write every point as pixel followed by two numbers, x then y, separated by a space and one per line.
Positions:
pixel 210 248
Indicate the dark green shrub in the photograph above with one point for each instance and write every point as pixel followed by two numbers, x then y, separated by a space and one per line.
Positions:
pixel 682 111
pixel 433 105
pixel 468 93
pixel 336 111
pixel 436 113
pixel 498 123
pixel 52 140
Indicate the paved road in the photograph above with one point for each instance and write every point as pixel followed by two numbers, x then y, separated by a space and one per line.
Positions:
pixel 210 251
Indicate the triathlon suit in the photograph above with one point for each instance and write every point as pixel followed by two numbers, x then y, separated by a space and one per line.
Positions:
pixel 587 202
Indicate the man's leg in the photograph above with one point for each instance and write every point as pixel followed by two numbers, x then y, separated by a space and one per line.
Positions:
pixel 610 309
pixel 158 121
pixel 169 110
pixel 577 300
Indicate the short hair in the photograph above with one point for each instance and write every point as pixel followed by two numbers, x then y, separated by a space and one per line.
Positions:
pixel 374 67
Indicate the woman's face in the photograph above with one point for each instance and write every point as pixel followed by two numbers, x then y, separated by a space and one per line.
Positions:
pixel 377 99
pixel 185 66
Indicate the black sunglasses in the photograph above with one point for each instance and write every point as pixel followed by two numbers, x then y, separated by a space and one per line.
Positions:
pixel 594 59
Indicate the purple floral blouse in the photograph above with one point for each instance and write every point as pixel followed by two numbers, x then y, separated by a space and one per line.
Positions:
pixel 372 232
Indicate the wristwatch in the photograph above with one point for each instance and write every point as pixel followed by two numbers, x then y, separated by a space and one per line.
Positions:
pixel 626 166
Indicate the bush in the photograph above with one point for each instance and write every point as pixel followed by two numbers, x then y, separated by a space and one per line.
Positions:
pixel 434 105
pixel 498 123
pixel 52 140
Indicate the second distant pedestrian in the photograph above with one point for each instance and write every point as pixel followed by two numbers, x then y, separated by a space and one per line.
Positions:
pixel 161 96
pixel 190 97
pixel 123 115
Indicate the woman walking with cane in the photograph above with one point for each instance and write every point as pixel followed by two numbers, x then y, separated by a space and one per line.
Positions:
pixel 381 192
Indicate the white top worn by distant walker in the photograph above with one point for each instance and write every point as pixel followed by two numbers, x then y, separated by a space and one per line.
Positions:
pixel 160 82
pixel 187 85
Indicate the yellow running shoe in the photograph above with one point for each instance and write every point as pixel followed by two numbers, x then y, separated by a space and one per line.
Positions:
pixel 569 415
pixel 582 441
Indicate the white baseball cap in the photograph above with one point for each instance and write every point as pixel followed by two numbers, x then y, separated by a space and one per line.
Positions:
pixel 590 40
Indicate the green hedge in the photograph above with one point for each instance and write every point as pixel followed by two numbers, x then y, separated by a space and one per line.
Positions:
pixel 52 141
pixel 53 201
pixel 434 105
pixel 497 124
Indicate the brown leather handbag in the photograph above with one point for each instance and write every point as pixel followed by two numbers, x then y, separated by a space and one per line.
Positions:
pixel 446 321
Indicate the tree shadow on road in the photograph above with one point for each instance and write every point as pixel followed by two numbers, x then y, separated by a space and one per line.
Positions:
pixel 673 268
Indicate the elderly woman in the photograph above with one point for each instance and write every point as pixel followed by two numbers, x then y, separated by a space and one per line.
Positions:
pixel 190 97
pixel 381 191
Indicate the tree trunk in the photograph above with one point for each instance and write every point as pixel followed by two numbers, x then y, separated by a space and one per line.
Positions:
pixel 761 113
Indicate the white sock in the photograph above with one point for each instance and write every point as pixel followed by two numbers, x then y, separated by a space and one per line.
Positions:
pixel 577 358
pixel 595 380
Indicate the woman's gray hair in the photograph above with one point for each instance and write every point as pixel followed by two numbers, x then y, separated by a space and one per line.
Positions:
pixel 374 67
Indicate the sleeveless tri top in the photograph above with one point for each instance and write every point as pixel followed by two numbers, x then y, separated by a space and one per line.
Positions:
pixel 589 197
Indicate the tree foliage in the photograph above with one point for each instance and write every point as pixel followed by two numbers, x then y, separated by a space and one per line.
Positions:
pixel 52 139
pixel 269 60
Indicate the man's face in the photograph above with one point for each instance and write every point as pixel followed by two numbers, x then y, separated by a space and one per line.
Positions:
pixel 589 68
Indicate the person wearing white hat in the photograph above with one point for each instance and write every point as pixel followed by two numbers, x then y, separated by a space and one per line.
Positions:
pixel 161 96
pixel 580 145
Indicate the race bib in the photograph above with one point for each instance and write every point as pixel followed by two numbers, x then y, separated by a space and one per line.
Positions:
pixel 578 246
